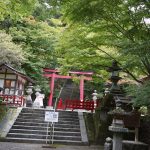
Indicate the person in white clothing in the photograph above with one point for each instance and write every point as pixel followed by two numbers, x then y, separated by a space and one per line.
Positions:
pixel 39 100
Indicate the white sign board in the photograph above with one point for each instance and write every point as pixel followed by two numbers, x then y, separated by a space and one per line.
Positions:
pixel 51 116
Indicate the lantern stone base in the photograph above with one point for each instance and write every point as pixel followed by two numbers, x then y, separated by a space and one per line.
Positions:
pixel 118 129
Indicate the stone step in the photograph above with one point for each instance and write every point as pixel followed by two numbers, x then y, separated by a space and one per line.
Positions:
pixel 31 127
pixel 35 115
pixel 39 110
pixel 59 137
pixel 118 94
pixel 44 132
pixel 43 141
pixel 43 116
pixel 41 136
pixel 45 128
pixel 23 135
pixel 42 111
pixel 61 121
pixel 45 124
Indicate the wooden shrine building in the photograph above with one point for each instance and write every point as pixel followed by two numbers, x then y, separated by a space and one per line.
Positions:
pixel 12 85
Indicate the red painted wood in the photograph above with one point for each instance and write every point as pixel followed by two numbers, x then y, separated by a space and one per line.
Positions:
pixel 50 70
pixel 12 100
pixel 80 72
pixel 47 75
pixel 50 73
pixel 66 77
pixel 60 104
pixel 72 72
pixel 52 89
pixel 57 76
pixel 77 104
pixel 81 89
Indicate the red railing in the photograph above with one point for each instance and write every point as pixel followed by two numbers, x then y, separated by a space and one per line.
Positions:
pixel 12 100
pixel 77 104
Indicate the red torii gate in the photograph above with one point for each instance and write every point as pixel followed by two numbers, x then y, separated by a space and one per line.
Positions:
pixel 49 73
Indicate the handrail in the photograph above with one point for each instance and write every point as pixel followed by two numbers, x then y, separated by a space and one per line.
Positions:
pixel 56 102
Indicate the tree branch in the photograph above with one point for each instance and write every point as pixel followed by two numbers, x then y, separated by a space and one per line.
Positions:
pixel 101 50
pixel 124 70
pixel 128 72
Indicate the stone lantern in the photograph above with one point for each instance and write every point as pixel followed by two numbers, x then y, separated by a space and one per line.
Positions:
pixel 28 98
pixel 95 98
pixel 117 126
pixel 114 76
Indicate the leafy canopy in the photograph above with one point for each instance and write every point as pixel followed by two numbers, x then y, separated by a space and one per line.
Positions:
pixel 115 28
pixel 140 94
pixel 16 9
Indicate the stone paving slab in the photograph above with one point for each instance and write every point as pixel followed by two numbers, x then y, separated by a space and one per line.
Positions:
pixel 25 146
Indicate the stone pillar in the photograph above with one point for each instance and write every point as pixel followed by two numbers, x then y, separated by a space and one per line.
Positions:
pixel 28 98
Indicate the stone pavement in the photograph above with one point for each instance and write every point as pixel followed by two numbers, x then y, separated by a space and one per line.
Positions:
pixel 26 146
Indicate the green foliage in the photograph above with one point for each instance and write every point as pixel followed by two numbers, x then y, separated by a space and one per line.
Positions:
pixel 46 9
pixel 116 29
pixel 88 35
pixel 37 40
pixel 140 94
pixel 10 52
pixel 3 110
pixel 77 50
pixel 16 9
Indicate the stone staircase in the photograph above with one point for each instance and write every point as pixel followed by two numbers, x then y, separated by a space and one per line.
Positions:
pixel 30 127
pixel 70 91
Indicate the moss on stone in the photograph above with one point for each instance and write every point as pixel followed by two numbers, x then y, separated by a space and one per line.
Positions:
pixel 3 111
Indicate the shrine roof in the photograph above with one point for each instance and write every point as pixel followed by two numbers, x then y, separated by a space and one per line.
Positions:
pixel 17 72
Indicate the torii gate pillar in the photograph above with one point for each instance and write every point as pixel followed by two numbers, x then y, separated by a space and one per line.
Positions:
pixel 51 89
pixel 81 89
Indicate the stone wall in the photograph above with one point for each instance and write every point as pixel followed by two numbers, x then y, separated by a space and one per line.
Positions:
pixel 144 131
pixel 97 128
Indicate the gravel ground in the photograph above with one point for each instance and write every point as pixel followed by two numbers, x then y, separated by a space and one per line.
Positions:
pixel 25 146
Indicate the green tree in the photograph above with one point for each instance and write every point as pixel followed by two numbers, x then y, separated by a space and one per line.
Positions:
pixel 37 39
pixel 140 94
pixel 117 29
pixel 46 9
pixel 10 52
pixel 16 9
